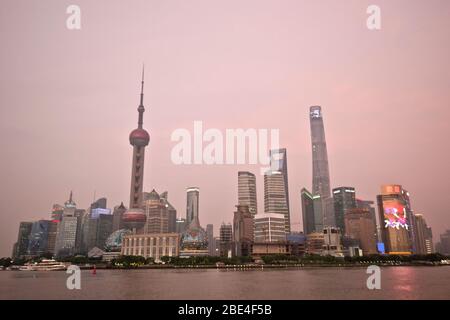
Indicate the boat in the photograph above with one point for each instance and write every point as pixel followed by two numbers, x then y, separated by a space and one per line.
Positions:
pixel 44 265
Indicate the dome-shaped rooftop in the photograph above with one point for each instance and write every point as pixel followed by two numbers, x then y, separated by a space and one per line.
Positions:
pixel 139 137
pixel 134 218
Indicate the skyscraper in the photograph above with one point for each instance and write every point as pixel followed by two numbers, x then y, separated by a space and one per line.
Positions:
pixel 243 228
pixel 321 176
pixel 171 212
pixel 192 201
pixel 344 199
pixel 424 237
pixel 359 226
pixel 312 212
pixel 226 239
pixel 157 214
pixel 134 217
pixel 275 196
pixel 395 219
pixel 247 191
pixel 210 233
pixel 23 237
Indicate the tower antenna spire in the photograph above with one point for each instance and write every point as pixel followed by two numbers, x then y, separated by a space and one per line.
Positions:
pixel 141 108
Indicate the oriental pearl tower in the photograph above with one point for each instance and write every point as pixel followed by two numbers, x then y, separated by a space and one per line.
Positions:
pixel 134 218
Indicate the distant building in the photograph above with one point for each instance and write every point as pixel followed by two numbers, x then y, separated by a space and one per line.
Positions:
pixel 247 191
pixel 57 212
pixel 23 238
pixel 153 246
pixel 369 205
pixel 312 212
pixel 226 240
pixel 297 242
pixel 275 195
pixel 180 225
pixel 424 237
pixel 157 215
pixel 211 243
pixel 314 243
pixel 194 240
pixel 117 217
pixel 344 199
pixel 395 219
pixel 42 238
pixel 192 203
pixel 444 244
pixel 171 212
pixel 69 234
pixel 268 248
pixel 359 226
pixel 321 176
pixel 269 227
pixel 243 228
pixel 332 243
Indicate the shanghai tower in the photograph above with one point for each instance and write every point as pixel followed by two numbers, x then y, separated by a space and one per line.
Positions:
pixel 321 175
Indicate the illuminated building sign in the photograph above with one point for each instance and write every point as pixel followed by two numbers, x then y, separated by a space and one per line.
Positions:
pixel 315 113
pixel 394 214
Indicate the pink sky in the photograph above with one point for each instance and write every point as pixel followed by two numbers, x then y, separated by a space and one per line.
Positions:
pixel 68 98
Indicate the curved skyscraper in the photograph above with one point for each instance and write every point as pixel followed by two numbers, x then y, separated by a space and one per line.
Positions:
pixel 321 175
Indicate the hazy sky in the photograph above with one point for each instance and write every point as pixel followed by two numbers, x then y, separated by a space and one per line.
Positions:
pixel 68 98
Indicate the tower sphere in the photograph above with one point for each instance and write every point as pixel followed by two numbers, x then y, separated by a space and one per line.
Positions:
pixel 134 218
pixel 139 137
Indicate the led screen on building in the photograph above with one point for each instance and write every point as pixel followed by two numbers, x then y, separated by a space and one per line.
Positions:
pixel 394 214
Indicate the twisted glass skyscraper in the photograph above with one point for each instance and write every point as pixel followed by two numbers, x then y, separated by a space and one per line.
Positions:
pixel 321 175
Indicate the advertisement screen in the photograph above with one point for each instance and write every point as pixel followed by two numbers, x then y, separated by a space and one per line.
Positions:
pixel 394 214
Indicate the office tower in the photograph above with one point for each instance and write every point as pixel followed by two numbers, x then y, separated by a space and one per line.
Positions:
pixel 134 217
pixel 321 176
pixel 395 218
pixel 157 218
pixel 369 205
pixel 41 238
pixel 194 240
pixel 332 242
pixel 344 199
pixel 68 237
pixel 312 212
pixel 226 239
pixel 424 237
pixel 192 202
pixel 99 203
pixel 269 227
pixel 276 193
pixel 180 225
pixel 443 246
pixel 359 226
pixel 57 212
pixel 210 234
pixel 171 212
pixel 23 238
pixel 117 217
pixel 243 229
pixel 275 200
pixel 247 191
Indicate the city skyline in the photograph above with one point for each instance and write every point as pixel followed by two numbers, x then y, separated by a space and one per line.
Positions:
pixel 79 142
